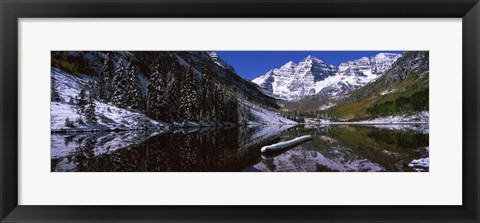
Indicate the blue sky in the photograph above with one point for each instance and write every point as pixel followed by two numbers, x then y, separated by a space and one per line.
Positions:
pixel 251 64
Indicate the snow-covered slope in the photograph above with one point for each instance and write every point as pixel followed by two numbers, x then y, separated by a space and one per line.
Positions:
pixel 224 73
pixel 312 76
pixel 263 116
pixel 108 116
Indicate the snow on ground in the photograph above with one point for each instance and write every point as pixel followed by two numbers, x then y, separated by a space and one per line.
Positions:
pixel 327 106
pixel 108 117
pixel 421 117
pixel 388 91
pixel 67 85
pixel 316 121
pixel 283 145
pixel 420 164
pixel 417 122
pixel 219 64
pixel 263 116
pixel 310 121
pixel 423 162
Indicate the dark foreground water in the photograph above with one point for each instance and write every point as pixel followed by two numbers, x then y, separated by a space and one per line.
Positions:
pixel 390 148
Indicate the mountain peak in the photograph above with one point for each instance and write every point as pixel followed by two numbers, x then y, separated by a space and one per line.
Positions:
pixel 312 59
pixel 386 55
pixel 364 59
pixel 293 81
pixel 290 64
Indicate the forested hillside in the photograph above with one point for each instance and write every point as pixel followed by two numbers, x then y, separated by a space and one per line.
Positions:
pixel 179 88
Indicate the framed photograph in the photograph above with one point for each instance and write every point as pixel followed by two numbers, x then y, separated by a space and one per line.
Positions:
pixel 228 111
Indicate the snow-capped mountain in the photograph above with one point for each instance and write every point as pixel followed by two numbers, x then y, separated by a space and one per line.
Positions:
pixel 313 76
pixel 293 81
pixel 376 65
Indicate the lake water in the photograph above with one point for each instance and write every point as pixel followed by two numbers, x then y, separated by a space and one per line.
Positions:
pixel 390 148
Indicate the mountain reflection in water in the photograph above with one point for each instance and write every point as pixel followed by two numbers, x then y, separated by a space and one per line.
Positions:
pixel 333 148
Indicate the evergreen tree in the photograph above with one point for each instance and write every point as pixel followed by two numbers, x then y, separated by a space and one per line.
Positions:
pixel 218 104
pixel 104 83
pixel 231 108
pixel 119 83
pixel 156 103
pixel 173 86
pixel 89 112
pixel 81 101
pixel 134 96
pixel 69 123
pixel 243 113
pixel 79 120
pixel 92 88
pixel 189 97
pixel 205 94
pixel 53 91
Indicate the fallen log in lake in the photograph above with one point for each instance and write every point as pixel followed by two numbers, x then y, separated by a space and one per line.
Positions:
pixel 283 145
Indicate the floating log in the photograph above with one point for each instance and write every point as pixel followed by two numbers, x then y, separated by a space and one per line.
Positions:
pixel 283 145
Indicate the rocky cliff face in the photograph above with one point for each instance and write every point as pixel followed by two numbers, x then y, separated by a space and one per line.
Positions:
pixel 292 81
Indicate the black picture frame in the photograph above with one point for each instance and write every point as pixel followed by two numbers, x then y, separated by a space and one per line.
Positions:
pixel 11 11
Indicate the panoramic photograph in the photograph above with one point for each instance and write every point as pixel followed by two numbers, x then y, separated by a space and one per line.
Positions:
pixel 239 111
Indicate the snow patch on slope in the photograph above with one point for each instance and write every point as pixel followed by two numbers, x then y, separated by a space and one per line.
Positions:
pixel 264 116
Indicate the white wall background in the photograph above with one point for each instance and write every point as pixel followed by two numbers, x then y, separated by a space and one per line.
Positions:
pixel 442 185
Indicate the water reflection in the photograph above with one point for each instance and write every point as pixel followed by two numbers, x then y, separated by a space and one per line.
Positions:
pixel 351 148
pixel 333 148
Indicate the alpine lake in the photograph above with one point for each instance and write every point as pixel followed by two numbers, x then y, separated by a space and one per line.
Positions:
pixel 333 148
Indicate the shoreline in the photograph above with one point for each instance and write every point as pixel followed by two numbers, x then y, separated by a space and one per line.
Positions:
pixel 375 123
pixel 219 127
